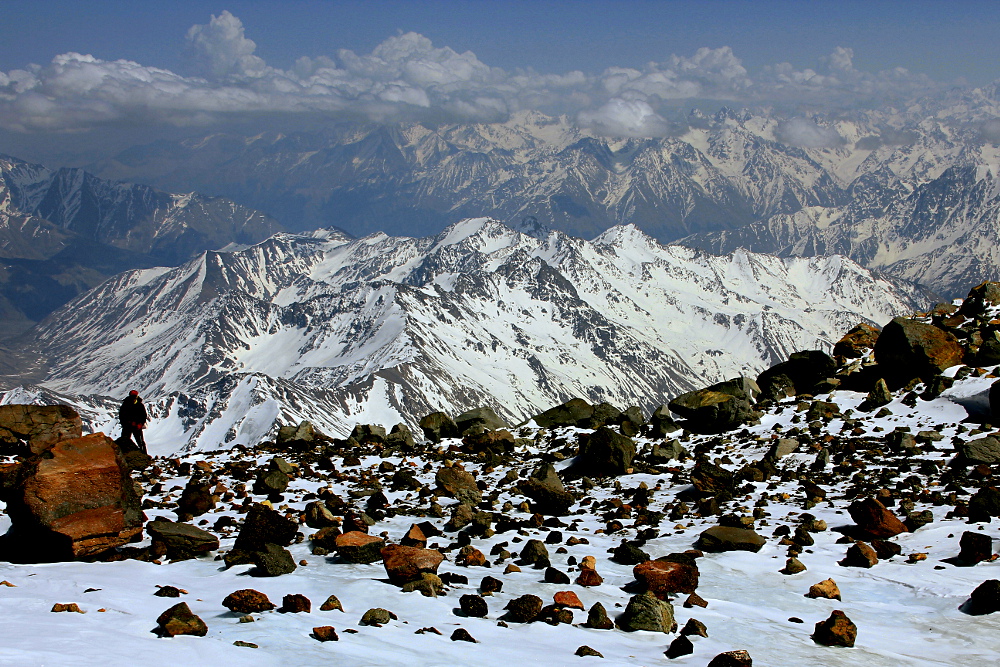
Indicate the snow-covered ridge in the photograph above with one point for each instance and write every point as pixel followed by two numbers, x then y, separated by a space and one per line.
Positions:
pixel 390 328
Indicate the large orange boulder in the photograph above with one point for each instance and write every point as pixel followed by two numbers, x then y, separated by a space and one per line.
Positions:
pixel 75 501
pixel 908 349
pixel 665 577
pixel 405 564
pixel 875 520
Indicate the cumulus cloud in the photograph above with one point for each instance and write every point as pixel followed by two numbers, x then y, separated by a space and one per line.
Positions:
pixel 805 133
pixel 407 77
pixel 625 118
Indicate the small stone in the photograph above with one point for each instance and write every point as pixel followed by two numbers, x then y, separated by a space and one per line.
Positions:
pixel 826 589
pixel 680 646
pixel 473 606
pixel 589 577
pixel 377 617
pixel 554 576
pixel 732 659
pixel 597 618
pixel 462 635
pixel 490 585
pixel 585 651
pixel 244 644
pixel 331 603
pixel 694 627
pixel 838 630
pixel 295 604
pixel 793 566
pixel 524 609
pixel 695 600
pixel 511 568
pixel 168 592
pixel 469 556
pixel 180 620
pixel 984 600
pixel 325 633
pixel 247 601
pixel 568 599
pixel 69 606
pixel 860 554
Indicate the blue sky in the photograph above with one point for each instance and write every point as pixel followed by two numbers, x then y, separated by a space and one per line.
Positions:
pixel 621 68
pixel 945 40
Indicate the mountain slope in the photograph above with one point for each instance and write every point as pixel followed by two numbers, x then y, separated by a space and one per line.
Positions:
pixel 478 314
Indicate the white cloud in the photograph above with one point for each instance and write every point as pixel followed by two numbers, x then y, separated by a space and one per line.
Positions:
pixel 407 77
pixel 805 133
pixel 624 118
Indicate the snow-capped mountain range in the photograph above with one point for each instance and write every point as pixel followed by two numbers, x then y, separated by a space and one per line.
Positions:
pixel 64 231
pixel 386 329
pixel 912 190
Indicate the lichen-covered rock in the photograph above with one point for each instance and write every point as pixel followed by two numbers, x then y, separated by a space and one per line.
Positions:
pixel 647 612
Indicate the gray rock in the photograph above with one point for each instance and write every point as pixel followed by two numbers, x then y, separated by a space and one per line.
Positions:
pixel 982 450
pixel 783 447
pixel 180 541
pixel 646 612
pixel 479 420
pixel 569 413
pixel 272 561
pixel 727 538
pixel 606 453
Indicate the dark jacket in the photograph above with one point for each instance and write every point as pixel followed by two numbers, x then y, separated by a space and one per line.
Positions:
pixel 132 411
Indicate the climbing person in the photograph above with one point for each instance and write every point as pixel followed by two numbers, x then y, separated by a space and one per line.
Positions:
pixel 133 418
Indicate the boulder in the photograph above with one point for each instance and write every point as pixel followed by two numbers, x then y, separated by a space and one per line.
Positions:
pixel 272 561
pixel 727 538
pixel 459 484
pixel 274 478
pixel 646 612
pixel 984 504
pixel 473 606
pixel 196 498
pixel 40 426
pixel 710 479
pixel 715 409
pixel 74 501
pixel 438 426
pixel 406 564
pixel 304 432
pixel 368 433
pixel 478 420
pixel 826 589
pixel 799 375
pixel 663 578
pixel 838 630
pixel 546 490
pixel 732 659
pixel 981 297
pixel 358 547
pixel 295 603
pixel 981 450
pixel 908 349
pixel 597 618
pixel 874 520
pixel 995 402
pixel 860 554
pixel 974 548
pixel 262 526
pixel 180 620
pixel 247 601
pixel 605 453
pixel 856 341
pixel 534 552
pixel 524 609
pixel 661 423
pixel 984 600
pixel 782 448
pixel 570 413
pixel 180 541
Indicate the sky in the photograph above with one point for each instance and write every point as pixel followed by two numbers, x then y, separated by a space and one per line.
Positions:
pixel 75 66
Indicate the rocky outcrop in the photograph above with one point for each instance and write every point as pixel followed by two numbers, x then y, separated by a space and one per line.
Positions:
pixel 75 501
pixel 40 426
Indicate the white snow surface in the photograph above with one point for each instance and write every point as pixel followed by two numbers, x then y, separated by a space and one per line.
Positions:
pixel 317 327
pixel 907 614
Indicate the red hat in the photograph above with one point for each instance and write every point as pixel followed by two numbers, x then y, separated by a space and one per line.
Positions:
pixel 133 393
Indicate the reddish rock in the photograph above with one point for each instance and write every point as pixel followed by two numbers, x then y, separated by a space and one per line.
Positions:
pixel 838 630
pixel 247 601
pixel 568 599
pixel 827 589
pixel 405 564
pixel 414 537
pixel 469 556
pixel 908 349
pixel 76 501
pixel 856 341
pixel 41 426
pixel 860 554
pixel 295 603
pixel 180 620
pixel 358 547
pixel 664 577
pixel 589 577
pixel 732 659
pixel 325 633
pixel 875 520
